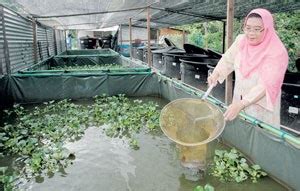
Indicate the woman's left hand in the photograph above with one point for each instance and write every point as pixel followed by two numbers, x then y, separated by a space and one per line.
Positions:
pixel 233 110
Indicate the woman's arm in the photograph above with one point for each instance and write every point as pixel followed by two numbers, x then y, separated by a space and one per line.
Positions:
pixel 254 95
pixel 226 64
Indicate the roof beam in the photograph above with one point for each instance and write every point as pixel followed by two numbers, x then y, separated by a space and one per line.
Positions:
pixel 187 13
pixel 91 13
pixel 158 22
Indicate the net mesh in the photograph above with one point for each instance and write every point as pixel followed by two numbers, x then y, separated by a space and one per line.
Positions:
pixel 191 122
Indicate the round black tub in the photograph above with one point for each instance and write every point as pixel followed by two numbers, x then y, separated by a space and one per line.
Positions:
pixel 290 101
pixel 172 62
pixel 142 52
pixel 194 73
pixel 157 56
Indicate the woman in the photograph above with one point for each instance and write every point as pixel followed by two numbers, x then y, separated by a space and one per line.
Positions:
pixel 259 60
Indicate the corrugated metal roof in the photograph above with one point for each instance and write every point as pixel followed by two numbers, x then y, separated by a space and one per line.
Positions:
pixel 175 12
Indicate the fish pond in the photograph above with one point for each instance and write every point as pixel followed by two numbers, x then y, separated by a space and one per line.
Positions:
pixel 108 143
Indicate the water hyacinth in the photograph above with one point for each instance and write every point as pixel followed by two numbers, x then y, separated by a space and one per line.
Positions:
pixel 231 166
pixel 36 138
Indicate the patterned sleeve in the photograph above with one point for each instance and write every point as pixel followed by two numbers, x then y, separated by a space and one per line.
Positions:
pixel 226 64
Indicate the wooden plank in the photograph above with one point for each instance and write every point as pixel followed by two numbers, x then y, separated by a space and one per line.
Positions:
pixel 229 40
pixel 224 37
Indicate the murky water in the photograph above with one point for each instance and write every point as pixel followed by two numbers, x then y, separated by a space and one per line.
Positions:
pixel 109 164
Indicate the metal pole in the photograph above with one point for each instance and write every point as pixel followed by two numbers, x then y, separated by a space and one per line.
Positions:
pixel 130 37
pixel 148 32
pixel 229 39
pixel 92 13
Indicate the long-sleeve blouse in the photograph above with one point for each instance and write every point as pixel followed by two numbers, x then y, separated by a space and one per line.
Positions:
pixel 250 89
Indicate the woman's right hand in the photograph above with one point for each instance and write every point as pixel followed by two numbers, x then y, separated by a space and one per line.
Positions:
pixel 212 79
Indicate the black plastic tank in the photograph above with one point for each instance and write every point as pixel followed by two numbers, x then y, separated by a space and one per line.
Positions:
pixel 290 101
pixel 145 52
pixel 135 47
pixel 297 63
pixel 107 41
pixel 157 55
pixel 195 68
pixel 88 43
pixel 140 53
pixel 194 71
pixel 172 62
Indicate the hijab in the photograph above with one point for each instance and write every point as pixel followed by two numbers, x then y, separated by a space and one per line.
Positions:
pixel 269 58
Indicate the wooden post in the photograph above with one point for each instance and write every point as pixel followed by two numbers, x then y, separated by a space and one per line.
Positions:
pixel 130 37
pixel 55 43
pixel 229 39
pixel 121 40
pixel 224 34
pixel 183 37
pixel 205 34
pixel 65 38
pixel 148 40
pixel 34 32
pixel 157 36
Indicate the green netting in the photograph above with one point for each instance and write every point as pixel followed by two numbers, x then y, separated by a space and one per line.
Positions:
pixel 87 57
pixel 103 52
pixel 277 153
pixel 87 61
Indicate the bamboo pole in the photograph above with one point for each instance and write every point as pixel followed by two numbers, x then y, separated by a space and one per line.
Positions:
pixel 183 37
pixel 229 39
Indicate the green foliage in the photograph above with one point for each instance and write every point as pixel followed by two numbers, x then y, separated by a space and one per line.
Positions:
pixel 207 187
pixel 125 118
pixel 7 180
pixel 231 166
pixel 37 138
pixel 288 29
pixel 89 67
pixel 207 35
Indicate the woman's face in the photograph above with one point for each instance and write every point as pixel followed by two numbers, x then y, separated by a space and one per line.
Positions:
pixel 254 30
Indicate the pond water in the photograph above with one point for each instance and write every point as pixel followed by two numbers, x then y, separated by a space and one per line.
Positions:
pixel 104 163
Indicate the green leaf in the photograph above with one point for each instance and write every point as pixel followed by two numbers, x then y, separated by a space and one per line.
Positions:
pixel 199 188
pixel 208 187
pixel 256 167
